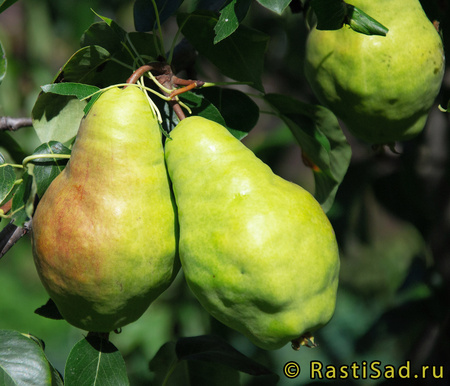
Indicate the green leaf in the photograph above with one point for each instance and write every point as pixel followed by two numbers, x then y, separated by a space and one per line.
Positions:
pixel 230 108
pixel 100 34
pixel 210 348
pixel 81 91
pixel 164 361
pixel 84 65
pixel 203 361
pixel 240 56
pixel 277 6
pixel 57 117
pixel 23 199
pixel 3 63
pixel 317 131
pixel 7 180
pixel 237 109
pixel 57 114
pixel 361 22
pixel 196 103
pixel 116 28
pixel 202 107
pixel 46 169
pixel 23 361
pixel 136 48
pixel 95 361
pixel 146 44
pixel 6 4
pixel 330 14
pixel 201 373
pixel 12 146
pixel 230 17
pixel 56 377
pixel 145 16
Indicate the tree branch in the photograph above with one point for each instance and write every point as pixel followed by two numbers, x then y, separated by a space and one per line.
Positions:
pixel 13 124
pixel 10 235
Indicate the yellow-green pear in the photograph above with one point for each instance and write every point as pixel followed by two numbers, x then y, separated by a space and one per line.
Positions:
pixel 258 251
pixel 104 233
pixel 382 87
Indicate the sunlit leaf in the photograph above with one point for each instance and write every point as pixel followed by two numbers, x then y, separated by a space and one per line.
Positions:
pixel 78 90
pixel 230 17
pixel 23 361
pixel 332 14
pixel 57 117
pixel 361 22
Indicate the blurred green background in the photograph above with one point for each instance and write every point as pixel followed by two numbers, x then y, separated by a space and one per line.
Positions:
pixel 391 215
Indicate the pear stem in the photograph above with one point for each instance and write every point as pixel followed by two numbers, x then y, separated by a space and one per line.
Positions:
pixel 177 109
pixel 136 75
pixel 167 82
pixel 33 157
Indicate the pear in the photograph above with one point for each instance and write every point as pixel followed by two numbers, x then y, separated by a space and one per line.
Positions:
pixel 382 87
pixel 105 232
pixel 257 251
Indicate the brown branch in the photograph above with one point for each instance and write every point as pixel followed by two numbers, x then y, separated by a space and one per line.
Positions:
pixel 138 73
pixel 182 90
pixel 13 124
pixel 10 235
pixel 160 68
pixel 186 82
pixel 177 109
pixel 166 78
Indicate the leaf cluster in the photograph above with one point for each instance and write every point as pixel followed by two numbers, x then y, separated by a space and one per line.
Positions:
pixel 95 360
pixel 108 54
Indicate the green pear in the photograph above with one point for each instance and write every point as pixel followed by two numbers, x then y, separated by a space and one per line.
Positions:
pixel 104 233
pixel 258 251
pixel 382 87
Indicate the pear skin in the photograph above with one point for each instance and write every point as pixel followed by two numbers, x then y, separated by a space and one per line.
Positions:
pixel 382 87
pixel 257 251
pixel 104 233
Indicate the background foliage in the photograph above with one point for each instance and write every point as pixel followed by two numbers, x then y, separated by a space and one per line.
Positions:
pixel 391 213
